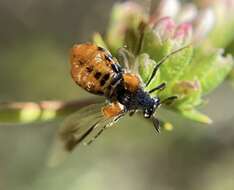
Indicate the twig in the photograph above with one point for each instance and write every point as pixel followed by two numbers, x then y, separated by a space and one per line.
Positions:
pixel 25 112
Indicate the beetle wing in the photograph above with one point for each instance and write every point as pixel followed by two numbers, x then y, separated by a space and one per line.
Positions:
pixel 83 125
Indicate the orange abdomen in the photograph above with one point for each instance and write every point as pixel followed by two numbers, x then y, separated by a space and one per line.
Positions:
pixel 91 68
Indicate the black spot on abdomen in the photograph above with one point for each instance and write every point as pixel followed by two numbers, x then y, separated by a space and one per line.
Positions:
pixel 97 75
pixel 81 62
pixel 89 69
pixel 104 79
pixel 106 76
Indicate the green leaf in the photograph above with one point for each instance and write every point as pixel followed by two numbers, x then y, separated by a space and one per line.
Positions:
pixel 173 69
pixel 209 67
pixel 99 41
pixel 196 116
pixel 202 62
pixel 145 66
pixel 153 45
pixel 216 74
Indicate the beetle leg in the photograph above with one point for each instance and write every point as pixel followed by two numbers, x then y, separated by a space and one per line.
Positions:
pixel 156 124
pixel 113 109
pixel 131 113
pixel 168 100
pixel 126 58
pixel 96 136
pixel 123 58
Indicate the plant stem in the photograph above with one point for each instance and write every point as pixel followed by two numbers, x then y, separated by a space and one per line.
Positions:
pixel 26 112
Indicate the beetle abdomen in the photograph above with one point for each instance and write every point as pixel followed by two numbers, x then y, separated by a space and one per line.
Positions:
pixel 92 69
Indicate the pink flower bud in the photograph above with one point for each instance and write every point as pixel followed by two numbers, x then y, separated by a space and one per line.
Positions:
pixel 183 33
pixel 186 87
pixel 165 28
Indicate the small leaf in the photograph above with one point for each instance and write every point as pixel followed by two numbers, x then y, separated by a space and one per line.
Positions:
pixel 153 45
pixel 202 61
pixel 99 41
pixel 216 75
pixel 210 67
pixel 174 68
pixel 196 116
pixel 145 66
pixel 145 69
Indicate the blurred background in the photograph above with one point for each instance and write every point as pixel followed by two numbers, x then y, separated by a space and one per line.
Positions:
pixel 35 38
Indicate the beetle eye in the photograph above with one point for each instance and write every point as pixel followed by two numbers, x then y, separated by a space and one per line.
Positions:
pixel 157 102
pixel 147 114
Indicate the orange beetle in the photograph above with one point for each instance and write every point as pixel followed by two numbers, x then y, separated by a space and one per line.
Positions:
pixel 94 69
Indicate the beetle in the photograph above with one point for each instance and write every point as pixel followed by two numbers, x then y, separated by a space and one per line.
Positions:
pixel 94 69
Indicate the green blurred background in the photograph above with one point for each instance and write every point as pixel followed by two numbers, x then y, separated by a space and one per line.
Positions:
pixel 35 38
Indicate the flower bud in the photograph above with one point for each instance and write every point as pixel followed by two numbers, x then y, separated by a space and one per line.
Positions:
pixel 183 34
pixel 186 88
pixel 165 28
pixel 124 16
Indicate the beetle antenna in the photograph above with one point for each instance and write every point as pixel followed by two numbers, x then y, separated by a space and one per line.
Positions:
pixel 159 87
pixel 163 60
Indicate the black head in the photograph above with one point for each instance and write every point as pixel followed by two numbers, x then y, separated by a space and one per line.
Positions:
pixel 143 101
pixel 150 108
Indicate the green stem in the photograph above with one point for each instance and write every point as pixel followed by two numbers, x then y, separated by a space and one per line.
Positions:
pixel 26 112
